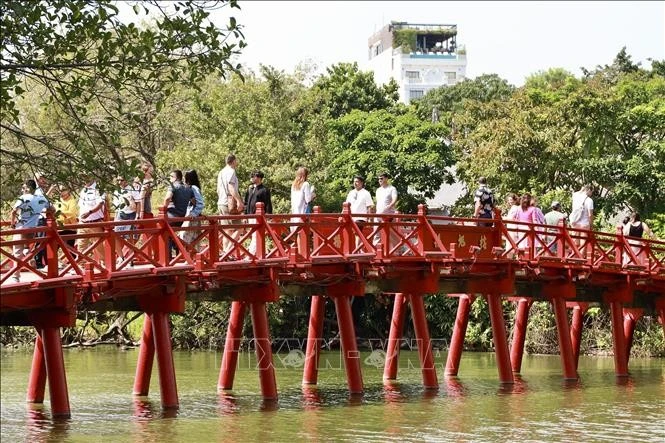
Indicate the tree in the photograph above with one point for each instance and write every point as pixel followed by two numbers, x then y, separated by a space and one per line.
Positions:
pixel 446 99
pixel 367 143
pixel 345 88
pixel 103 77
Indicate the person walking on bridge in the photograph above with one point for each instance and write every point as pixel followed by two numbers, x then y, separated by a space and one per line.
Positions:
pixel 25 214
pixel 483 200
pixel 229 201
pixel 257 193
pixel 91 210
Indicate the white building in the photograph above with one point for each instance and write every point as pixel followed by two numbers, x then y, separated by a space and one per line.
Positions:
pixel 419 57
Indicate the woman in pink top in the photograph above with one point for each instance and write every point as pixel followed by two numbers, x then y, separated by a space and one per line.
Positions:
pixel 525 213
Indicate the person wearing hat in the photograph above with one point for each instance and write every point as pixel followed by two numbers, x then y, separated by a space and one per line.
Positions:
pixel 554 218
pixel 555 215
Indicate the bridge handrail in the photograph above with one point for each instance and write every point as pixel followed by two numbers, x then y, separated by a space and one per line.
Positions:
pixel 305 239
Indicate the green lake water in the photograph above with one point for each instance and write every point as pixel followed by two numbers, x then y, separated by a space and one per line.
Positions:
pixel 473 407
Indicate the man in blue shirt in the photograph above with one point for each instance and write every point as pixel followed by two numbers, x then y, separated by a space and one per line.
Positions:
pixel 25 214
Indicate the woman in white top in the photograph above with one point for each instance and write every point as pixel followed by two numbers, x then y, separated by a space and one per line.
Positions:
pixel 301 194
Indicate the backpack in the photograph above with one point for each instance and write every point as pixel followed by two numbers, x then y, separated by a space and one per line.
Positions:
pixel 576 215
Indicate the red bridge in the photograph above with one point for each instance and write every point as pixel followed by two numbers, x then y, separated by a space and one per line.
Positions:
pixel 324 256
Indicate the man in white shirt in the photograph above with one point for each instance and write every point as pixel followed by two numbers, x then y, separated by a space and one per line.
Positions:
pixel 91 210
pixel 228 198
pixel 360 199
pixel 386 198
pixel 386 195
pixel 581 216
pixel 583 202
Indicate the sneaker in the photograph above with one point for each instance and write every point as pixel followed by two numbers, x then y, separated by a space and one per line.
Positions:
pixel 16 278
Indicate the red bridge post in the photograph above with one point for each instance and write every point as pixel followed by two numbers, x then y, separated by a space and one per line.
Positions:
pixel 630 318
pixel 55 372
pixel 499 338
pixel 576 326
pixel 167 382
pixel 314 338
pixel 568 360
pixel 37 381
pixel 424 342
pixel 145 359
pixel 263 350
pixel 619 340
pixel 227 371
pixel 395 337
pixel 459 334
pixel 350 353
pixel 519 333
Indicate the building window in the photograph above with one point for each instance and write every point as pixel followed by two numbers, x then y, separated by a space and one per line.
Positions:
pixel 416 93
pixel 413 75
pixel 451 77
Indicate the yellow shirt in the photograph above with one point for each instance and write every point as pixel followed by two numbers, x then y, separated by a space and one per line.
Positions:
pixel 68 209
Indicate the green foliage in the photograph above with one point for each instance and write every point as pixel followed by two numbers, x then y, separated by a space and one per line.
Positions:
pixel 411 150
pixel 345 88
pixel 484 88
pixel 558 132
pixel 406 39
pixel 81 88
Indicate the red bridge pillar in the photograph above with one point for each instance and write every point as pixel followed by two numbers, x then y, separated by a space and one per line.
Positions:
pixel 519 333
pixel 263 350
pixel 231 346
pixel 162 338
pixel 576 326
pixel 424 342
pixel 568 360
pixel 350 353
pixel 37 381
pixel 55 372
pixel 459 333
pixel 314 338
pixel 145 359
pixel 619 339
pixel 395 337
pixel 499 338
pixel 630 318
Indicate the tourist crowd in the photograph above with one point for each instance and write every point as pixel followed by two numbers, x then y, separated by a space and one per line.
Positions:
pixel 184 198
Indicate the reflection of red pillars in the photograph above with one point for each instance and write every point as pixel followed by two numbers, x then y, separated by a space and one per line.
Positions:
pixel 395 337
pixel 162 339
pixel 314 336
pixel 499 338
pixel 231 346
pixel 37 382
pixel 519 334
pixel 577 323
pixel 350 353
pixel 619 339
pixel 263 350
pixel 55 372
pixel 145 359
pixel 424 343
pixel 630 317
pixel 459 333
pixel 565 346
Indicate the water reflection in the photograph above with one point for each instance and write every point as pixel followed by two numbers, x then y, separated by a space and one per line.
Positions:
pixel 227 404
pixel 454 387
pixel 519 386
pixel 41 427
pixel 311 398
